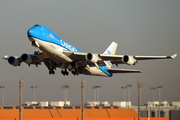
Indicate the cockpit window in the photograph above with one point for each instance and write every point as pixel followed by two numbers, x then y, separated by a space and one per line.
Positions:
pixel 37 25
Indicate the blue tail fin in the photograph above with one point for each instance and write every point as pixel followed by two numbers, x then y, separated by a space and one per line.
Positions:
pixel 111 50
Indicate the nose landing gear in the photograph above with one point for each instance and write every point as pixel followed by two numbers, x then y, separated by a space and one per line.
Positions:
pixel 36 52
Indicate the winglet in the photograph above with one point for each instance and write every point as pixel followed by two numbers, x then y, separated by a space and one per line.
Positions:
pixel 173 56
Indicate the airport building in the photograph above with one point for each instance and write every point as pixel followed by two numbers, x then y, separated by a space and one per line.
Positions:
pixel 121 109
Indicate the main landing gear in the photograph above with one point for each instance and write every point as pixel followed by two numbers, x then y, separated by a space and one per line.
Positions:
pixel 64 72
pixel 51 71
pixel 74 72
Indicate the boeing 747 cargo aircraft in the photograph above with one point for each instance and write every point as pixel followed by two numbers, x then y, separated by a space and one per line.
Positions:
pixel 57 53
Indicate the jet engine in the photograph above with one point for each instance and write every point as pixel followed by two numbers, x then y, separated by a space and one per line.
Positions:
pixel 13 61
pixel 129 60
pixel 26 58
pixel 91 57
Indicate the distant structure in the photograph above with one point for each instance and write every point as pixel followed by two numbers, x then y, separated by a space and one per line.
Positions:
pixel 124 90
pixel 33 103
pixel 2 95
pixel 60 103
pixel 171 111
pixel 65 87
pixel 43 103
pixel 122 103
pixel 153 89
pixel 46 103
pixel 34 87
pixel 96 103
pixel 96 94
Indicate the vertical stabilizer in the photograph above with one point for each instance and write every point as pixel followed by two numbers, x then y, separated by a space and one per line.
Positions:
pixel 111 50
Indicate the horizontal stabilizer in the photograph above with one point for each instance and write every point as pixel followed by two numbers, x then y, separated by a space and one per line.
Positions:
pixel 123 71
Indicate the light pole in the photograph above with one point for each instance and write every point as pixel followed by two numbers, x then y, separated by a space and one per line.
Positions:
pixel 139 98
pixel 129 94
pixel 34 87
pixel 83 85
pixel 2 95
pixel 159 87
pixel 124 88
pixel 21 84
pixel 153 88
pixel 97 92
pixel 94 94
pixel 65 93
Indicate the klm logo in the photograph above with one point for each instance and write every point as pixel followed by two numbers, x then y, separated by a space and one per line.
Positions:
pixel 108 52
pixel 68 46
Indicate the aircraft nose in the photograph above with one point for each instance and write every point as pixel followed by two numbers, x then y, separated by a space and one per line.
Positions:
pixel 30 32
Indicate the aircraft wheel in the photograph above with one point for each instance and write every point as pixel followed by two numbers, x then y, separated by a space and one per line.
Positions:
pixel 63 72
pixel 74 72
pixel 51 72
pixel 67 73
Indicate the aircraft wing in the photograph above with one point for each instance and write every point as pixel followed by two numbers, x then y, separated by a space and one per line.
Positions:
pixel 75 55
pixel 123 71
pixel 155 57
pixel 116 57
pixel 27 58
pixel 13 60
pixel 5 57
pixel 80 56
pixel 131 60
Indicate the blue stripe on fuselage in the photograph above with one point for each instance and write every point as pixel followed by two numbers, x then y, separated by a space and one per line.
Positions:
pixel 103 69
pixel 43 33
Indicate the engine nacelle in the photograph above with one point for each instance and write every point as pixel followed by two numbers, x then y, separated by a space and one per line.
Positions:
pixel 91 57
pixel 129 60
pixel 13 61
pixel 26 58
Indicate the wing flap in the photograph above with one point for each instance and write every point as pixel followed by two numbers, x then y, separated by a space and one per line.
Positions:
pixel 110 57
pixel 123 71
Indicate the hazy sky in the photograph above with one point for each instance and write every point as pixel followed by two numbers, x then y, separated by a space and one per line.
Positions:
pixel 139 27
